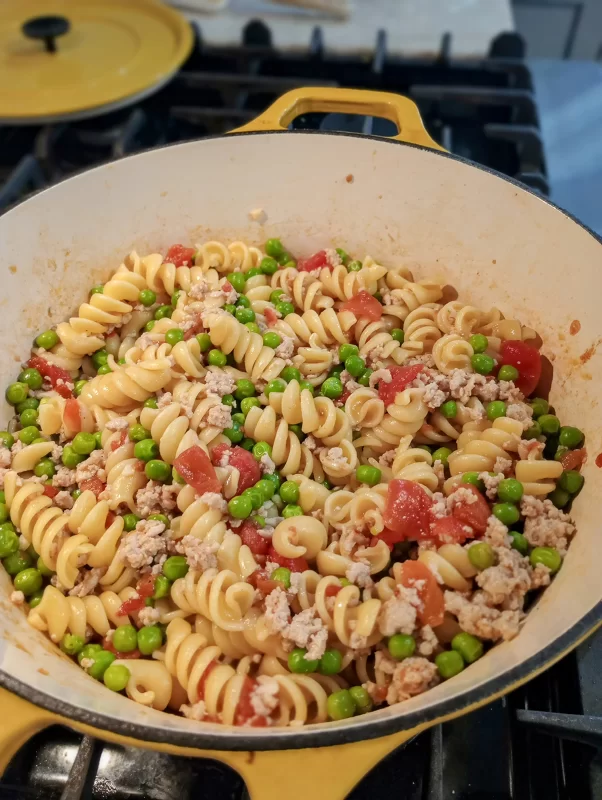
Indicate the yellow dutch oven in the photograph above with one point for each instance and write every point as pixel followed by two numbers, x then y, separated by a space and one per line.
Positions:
pixel 404 201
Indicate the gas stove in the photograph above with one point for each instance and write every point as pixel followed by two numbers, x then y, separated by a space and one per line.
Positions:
pixel 538 743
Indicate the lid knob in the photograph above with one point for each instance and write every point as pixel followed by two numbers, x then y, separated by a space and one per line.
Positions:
pixel 47 29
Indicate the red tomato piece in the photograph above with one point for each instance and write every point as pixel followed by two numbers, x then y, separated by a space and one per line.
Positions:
pixel 415 574
pixel 50 491
pixel 203 680
pixel 271 317
pixel 244 709
pixel 317 261
pixel 400 378
pixel 180 256
pixel 527 361
pixel 129 606
pixel 449 530
pixel 140 466
pixel 110 519
pixel 407 510
pixel 146 586
pixel 255 577
pixel 54 374
pixel 257 544
pixel 72 415
pixel 332 590
pixel 474 514
pixel 94 485
pixel 244 463
pixel 107 645
pixel 196 327
pixel 119 441
pixel 294 564
pixel 389 537
pixel 574 459
pixel 195 467
pixel 267 585
pixel 364 305
pixel 227 286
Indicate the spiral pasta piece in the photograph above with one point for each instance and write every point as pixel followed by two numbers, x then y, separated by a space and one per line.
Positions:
pixel 328 327
pixel 318 415
pixel 127 385
pixel 377 345
pixel 450 564
pixel 364 408
pixel 414 464
pixel 340 284
pixel 149 683
pixel 299 537
pixel 263 425
pixel 408 296
pixel 220 596
pixel 538 476
pixel 452 352
pixel 313 362
pixel 421 326
pixel 306 291
pixel 171 429
pixel 404 416
pixel 51 418
pixel 478 450
pixel 247 348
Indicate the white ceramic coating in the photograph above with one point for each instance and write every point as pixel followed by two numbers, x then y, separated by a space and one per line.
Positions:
pixel 496 243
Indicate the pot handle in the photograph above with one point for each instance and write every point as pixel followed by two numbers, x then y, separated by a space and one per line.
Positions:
pixel 400 110
pixel 327 772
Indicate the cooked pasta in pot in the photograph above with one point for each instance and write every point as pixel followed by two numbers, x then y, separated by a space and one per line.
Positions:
pixel 260 490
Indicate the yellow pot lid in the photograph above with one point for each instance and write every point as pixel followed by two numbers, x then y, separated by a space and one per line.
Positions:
pixel 63 57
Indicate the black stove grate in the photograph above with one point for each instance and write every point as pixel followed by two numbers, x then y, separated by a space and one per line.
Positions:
pixel 483 109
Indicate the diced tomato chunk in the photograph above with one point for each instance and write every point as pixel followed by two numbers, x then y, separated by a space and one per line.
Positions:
pixel 180 256
pixel 110 519
pixel 242 460
pixel 140 466
pixel 94 485
pixel 244 709
pixel 195 467
pixel 119 441
pixel 415 574
pixel 573 459
pixel 255 577
pixel 449 530
pixel 407 510
pixel 317 261
pixel 203 679
pixel 527 361
pixel 267 585
pixel 294 564
pixel 249 533
pixel 389 537
pixel 474 514
pixel 72 415
pixel 270 316
pixel 364 305
pixel 129 606
pixel 401 377
pixel 50 491
pixel 54 375
pixel 332 590
pixel 146 586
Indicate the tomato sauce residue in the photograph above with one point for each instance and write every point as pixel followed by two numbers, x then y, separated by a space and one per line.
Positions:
pixel 575 327
pixel 349 178
pixel 585 357
pixel 599 461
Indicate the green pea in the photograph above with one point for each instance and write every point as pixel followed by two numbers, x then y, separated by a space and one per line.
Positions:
pixel 237 281
pixel 43 569
pixel 100 358
pixel 473 478
pixel 83 443
pixel 332 388
pixel 289 374
pixel 247 444
pixel 248 403
pixel 292 511
pixel 268 266
pixel 149 325
pixel 245 315
pixel 78 387
pixel 274 479
pixel 262 449
pixel 147 297
pixel 289 492
pixel 16 393
pixel 27 435
pixel 7 439
pixel 204 341
pixel 160 518
pixel 481 555
pixel 549 423
pixel 97 289
pixel 276 295
pixel 116 677
pixel 130 521
pixel 449 663
pixel 102 661
pixel 449 409
pixel 243 302
pixel 344 256
pixel 138 433
pixel 401 645
pixel 125 639
pixel 570 437
pixel 397 334
pixel 104 370
pixel 534 432
pixel 297 662
pixel 146 449
pixel 47 340
pixel 348 350
pixel 258 520
pixel 157 470
pixel 244 388
pixel 297 429
pixel 267 488
pixel 76 493
pixel 305 386
pixel 335 372
pixel 571 481
pixel 230 308
pixel 507 513
pixel 361 699
pixel 173 336
pixel 32 378
pixel 255 495
pixel 286 259
pixel 271 339
pixel 495 409
pixel 162 587
pixel 519 542
pixel 540 407
pixel 163 311
pixel 355 366
pixel 253 327
pixel 35 599
pixel 151 403
pixel 175 567
pixel 368 474
pixel 28 581
pixel 354 266
pixel 548 556
pixel 510 490
pixel 88 651
pixel 234 433
pixel 283 575
pixel 9 542
pixel 507 373
pixel 442 454
pixel 274 248
pixel 469 647
pixel 479 343
pixel 559 497
pixel 29 417
pixel 216 358
pixel 285 308
pixel 29 402
pixel 482 364
pixel 340 705
pixel 150 639
pixel 228 400
pixel 71 644
pixel 2 497
pixel 331 662
pixel 240 507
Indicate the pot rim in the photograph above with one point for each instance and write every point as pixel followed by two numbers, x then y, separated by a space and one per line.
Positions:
pixel 366 727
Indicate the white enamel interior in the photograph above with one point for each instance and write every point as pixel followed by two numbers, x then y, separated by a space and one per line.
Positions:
pixel 496 243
